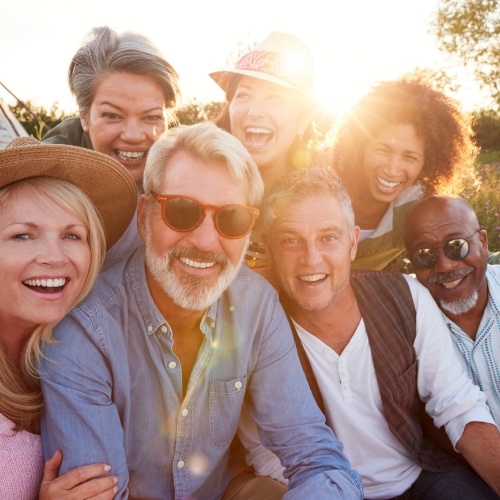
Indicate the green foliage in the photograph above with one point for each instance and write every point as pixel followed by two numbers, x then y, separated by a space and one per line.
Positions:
pixel 196 112
pixel 470 30
pixel 37 120
pixel 487 132
pixel 484 197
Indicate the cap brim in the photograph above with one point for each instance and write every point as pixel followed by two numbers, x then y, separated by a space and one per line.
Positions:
pixel 104 180
pixel 223 79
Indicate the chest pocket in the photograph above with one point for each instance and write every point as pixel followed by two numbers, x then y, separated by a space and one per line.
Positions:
pixel 225 403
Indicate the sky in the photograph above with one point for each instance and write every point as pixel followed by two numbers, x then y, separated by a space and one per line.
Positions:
pixel 354 43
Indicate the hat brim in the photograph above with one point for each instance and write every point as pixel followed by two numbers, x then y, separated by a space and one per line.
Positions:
pixel 104 180
pixel 223 79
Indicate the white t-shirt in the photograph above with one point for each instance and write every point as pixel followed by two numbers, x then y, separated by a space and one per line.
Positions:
pixel 353 403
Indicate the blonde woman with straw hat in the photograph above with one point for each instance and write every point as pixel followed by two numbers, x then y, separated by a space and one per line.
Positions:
pixel 56 222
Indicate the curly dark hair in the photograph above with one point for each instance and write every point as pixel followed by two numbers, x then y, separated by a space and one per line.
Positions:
pixel 450 152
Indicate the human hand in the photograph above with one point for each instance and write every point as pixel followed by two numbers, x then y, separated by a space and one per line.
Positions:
pixel 85 482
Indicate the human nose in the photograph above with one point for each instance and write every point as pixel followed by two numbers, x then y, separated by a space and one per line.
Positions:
pixel 205 236
pixel 51 252
pixel 256 108
pixel 133 131
pixel 393 164
pixel 443 262
pixel 311 254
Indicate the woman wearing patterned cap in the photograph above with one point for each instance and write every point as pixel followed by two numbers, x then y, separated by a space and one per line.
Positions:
pixel 270 108
pixel 56 222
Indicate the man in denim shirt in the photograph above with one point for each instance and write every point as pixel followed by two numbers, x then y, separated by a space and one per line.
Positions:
pixel 150 372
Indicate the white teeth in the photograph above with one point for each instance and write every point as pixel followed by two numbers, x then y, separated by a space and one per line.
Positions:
pixel 258 130
pixel 130 155
pixel 313 277
pixel 387 184
pixel 193 263
pixel 452 284
pixel 49 283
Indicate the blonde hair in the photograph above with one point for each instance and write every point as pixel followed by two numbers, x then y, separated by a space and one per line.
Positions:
pixel 210 144
pixel 20 395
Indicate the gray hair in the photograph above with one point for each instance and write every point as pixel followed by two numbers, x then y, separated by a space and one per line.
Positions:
pixel 210 144
pixel 105 52
pixel 301 184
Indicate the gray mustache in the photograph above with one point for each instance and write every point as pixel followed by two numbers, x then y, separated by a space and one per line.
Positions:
pixel 452 275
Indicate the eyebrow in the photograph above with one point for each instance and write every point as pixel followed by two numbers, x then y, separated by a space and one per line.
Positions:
pixel 107 103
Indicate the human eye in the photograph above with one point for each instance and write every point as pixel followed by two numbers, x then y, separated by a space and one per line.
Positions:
pixel 75 233
pixel 288 241
pixel 110 116
pixel 330 238
pixel 382 151
pixel 411 158
pixel 241 95
pixel 277 98
pixel 21 237
pixel 155 118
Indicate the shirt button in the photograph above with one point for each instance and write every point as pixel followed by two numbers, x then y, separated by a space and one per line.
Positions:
pixel 164 329
pixel 238 385
pixel 172 365
pixel 150 328
pixel 184 412
pixel 180 464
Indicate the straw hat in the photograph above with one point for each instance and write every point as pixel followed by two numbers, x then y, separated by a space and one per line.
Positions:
pixel 281 58
pixel 105 181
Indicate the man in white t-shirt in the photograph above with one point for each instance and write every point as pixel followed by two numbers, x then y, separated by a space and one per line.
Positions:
pixel 449 253
pixel 373 344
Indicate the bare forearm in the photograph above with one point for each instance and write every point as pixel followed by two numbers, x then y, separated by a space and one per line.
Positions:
pixel 480 446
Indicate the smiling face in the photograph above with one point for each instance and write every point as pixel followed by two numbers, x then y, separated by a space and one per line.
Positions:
pixel 265 117
pixel 458 286
pixel 126 116
pixel 191 269
pixel 312 249
pixel 45 261
pixel 393 161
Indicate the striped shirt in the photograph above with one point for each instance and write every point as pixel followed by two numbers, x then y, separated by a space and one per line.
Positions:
pixel 481 357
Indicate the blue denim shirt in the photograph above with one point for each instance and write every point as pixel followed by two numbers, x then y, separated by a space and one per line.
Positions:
pixel 113 393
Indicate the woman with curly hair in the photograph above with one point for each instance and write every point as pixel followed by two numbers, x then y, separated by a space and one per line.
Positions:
pixel 402 141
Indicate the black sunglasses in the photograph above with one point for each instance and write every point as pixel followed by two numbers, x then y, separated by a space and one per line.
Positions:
pixel 455 249
pixel 184 214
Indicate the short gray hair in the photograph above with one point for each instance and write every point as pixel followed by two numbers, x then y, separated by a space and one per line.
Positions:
pixel 301 184
pixel 105 52
pixel 210 144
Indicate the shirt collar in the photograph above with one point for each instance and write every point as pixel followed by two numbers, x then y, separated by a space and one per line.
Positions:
pixel 152 317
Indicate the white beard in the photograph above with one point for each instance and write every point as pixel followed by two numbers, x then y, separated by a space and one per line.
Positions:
pixel 461 306
pixel 195 293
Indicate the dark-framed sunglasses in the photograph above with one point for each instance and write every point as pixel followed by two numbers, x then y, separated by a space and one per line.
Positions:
pixel 454 249
pixel 184 214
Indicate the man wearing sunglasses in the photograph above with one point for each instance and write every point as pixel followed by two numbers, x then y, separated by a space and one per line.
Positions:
pixel 449 253
pixel 373 344
pixel 149 374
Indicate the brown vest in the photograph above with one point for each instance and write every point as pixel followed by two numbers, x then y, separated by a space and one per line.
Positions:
pixel 388 310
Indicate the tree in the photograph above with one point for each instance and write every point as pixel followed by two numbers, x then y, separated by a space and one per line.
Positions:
pixel 196 112
pixel 470 30
pixel 37 120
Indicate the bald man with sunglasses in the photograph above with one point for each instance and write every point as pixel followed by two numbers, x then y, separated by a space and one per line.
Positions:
pixel 449 253
pixel 150 372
